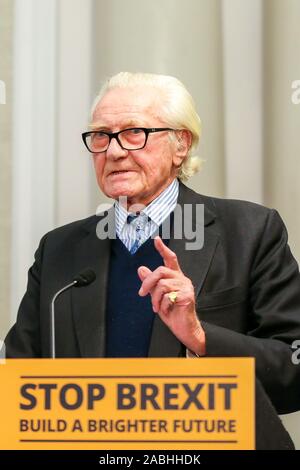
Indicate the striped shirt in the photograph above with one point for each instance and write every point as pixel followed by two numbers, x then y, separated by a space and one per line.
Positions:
pixel 149 219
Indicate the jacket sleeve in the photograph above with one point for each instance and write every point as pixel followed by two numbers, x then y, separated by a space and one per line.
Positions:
pixel 23 340
pixel 274 319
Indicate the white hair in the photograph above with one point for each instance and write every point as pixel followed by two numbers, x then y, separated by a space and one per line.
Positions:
pixel 177 109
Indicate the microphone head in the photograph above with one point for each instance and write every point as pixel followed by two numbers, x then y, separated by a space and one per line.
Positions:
pixel 86 277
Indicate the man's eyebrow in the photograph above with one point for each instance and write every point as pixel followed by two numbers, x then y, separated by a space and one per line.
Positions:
pixel 124 125
pixel 98 125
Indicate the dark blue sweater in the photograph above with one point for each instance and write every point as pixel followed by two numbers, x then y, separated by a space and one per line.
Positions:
pixel 129 317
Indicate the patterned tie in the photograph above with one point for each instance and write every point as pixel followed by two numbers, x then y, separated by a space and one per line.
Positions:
pixel 139 229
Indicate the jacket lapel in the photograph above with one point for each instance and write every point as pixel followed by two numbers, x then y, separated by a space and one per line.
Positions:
pixel 195 265
pixel 89 302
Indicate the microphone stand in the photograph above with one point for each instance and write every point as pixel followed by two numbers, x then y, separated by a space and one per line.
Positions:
pixel 52 329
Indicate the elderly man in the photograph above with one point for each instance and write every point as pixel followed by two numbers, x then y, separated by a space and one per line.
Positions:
pixel 238 295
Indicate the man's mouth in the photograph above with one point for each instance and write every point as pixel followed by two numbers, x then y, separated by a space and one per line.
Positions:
pixel 119 172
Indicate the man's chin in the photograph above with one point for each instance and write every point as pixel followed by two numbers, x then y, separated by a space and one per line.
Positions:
pixel 119 195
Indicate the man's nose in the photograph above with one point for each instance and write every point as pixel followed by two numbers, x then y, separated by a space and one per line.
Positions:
pixel 115 150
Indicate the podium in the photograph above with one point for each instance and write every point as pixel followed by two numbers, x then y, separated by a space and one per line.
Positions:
pixel 182 403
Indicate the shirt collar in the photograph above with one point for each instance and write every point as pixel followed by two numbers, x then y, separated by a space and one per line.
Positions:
pixel 158 210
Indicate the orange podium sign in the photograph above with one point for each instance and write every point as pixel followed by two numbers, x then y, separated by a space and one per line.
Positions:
pixel 127 404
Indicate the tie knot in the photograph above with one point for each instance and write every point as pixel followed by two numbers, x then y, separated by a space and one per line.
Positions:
pixel 131 217
pixel 143 218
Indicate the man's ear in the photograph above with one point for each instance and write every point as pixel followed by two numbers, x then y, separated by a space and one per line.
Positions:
pixel 182 146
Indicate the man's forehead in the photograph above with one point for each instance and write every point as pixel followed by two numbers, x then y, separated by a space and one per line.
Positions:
pixel 122 115
pixel 107 110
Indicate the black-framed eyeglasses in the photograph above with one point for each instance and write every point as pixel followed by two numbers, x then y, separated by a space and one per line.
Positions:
pixel 134 138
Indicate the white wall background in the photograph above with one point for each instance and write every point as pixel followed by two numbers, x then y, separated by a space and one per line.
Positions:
pixel 237 57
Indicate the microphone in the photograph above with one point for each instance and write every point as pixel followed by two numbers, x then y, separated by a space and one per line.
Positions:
pixel 84 278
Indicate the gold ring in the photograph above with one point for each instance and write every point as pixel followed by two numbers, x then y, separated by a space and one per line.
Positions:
pixel 173 296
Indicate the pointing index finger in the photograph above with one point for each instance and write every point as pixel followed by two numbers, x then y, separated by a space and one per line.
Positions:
pixel 169 257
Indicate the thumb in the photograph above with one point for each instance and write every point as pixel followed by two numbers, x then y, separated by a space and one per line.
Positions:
pixel 143 272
